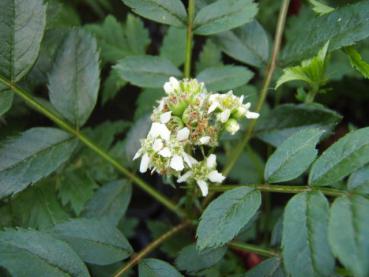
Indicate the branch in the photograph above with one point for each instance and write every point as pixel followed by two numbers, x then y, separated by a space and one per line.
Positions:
pixel 282 189
pixel 152 246
pixel 189 37
pixel 268 78
pixel 87 142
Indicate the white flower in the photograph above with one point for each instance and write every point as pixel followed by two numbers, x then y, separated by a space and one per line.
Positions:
pixel 224 116
pixel 204 140
pixel 184 177
pixel 165 117
pixel 171 86
pixel 216 177
pixel 165 152
pixel 183 134
pixel 211 161
pixel 145 163
pixel 177 163
pixel 203 187
pixel 189 160
pixel 232 126
pixel 159 130
pixel 157 145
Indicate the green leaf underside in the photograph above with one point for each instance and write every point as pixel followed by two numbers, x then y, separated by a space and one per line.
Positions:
pixel 225 77
pixel 27 251
pixel 6 100
pixel 293 156
pixel 95 241
pixel 248 44
pixel 305 246
pixel 348 233
pixel 191 260
pixel 110 202
pixel 156 268
pixel 174 36
pixel 22 26
pixel 224 15
pixel 342 27
pixel 74 80
pixel 359 180
pixel 146 71
pixel 278 125
pixel 31 156
pixel 226 216
pixel 268 268
pixel 171 12
pixel 342 158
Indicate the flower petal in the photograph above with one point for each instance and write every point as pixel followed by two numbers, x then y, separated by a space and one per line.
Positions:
pixel 224 116
pixel 184 177
pixel 145 161
pixel 165 152
pixel 138 154
pixel 251 115
pixel 204 140
pixel 211 161
pixel 183 134
pixel 213 107
pixel 177 163
pixel 189 160
pixel 159 130
pixel 203 187
pixel 165 117
pixel 216 177
pixel 157 145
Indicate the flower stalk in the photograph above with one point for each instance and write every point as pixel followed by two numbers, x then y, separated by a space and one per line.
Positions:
pixel 189 38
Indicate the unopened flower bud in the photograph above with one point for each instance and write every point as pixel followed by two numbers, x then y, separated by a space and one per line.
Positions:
pixel 232 126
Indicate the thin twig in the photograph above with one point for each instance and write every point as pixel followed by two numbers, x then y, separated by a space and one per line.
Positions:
pixel 152 246
pixel 189 37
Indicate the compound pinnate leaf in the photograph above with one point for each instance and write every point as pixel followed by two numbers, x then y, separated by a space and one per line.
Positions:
pixel 224 15
pixel 171 12
pixel 226 216
pixel 248 44
pixel 29 252
pixel 225 77
pixel 293 156
pixel 342 27
pixel 269 268
pixel 74 79
pixel 348 233
pixel 110 202
pixel 146 71
pixel 359 181
pixel 22 25
pixel 95 241
pixel 192 260
pixel 308 253
pixel 156 268
pixel 278 125
pixel 174 36
pixel 31 156
pixel 342 158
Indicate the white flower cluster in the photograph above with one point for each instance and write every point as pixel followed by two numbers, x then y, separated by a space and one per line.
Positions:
pixel 189 117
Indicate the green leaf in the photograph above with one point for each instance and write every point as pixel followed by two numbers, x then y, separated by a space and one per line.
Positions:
pixel 174 36
pixel 191 260
pixel 31 156
pixel 308 253
pixel 137 36
pixel 342 27
pixel 278 125
pixel 357 61
pixel 342 158
pixel 22 25
pixel 112 40
pixel 74 80
pixel 156 268
pixel 225 77
pixel 271 267
pixel 248 44
pixel 348 233
pixel 32 253
pixel 146 71
pixel 110 202
pixel 359 181
pixel 320 8
pixel 38 207
pixel 224 15
pixel 112 85
pixel 167 12
pixel 311 71
pixel 210 56
pixel 6 100
pixel 293 157
pixel 75 187
pixel 95 241
pixel 226 216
